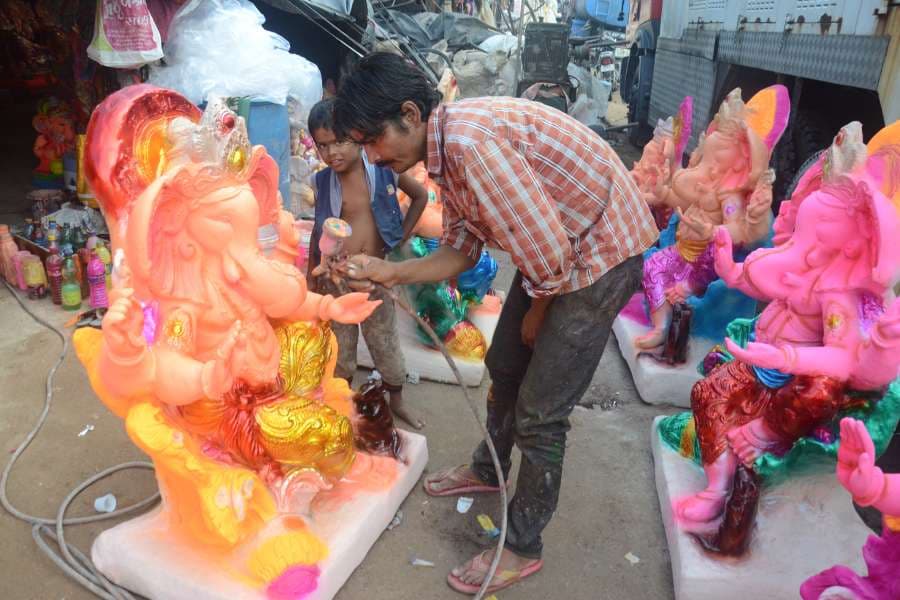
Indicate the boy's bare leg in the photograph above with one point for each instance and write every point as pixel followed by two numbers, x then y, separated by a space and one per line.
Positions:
pixel 398 408
pixel 380 332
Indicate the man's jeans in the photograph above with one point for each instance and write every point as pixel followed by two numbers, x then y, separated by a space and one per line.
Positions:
pixel 533 392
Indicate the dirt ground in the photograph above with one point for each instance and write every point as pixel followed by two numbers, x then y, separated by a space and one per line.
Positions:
pixel 608 505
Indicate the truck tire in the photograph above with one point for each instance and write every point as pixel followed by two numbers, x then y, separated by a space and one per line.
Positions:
pixel 807 135
pixel 809 162
pixel 639 101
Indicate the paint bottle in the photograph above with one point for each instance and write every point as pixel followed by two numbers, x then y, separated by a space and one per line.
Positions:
pixel 8 250
pixel 103 252
pixel 38 237
pixel 65 242
pixel 54 275
pixel 84 259
pixel 71 289
pixel 35 277
pixel 96 276
pixel 19 268
pixel 79 238
pixel 52 235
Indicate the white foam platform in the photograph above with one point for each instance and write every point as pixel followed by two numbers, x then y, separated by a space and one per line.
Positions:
pixel 804 526
pixel 141 556
pixel 429 363
pixel 658 383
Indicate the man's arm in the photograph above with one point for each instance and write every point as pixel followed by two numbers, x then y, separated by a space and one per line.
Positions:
pixel 443 263
pixel 418 196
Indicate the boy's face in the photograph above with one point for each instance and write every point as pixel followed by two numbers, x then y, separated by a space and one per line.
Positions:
pixel 339 155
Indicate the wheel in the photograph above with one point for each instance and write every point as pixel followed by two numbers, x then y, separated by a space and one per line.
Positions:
pixel 806 137
pixel 639 101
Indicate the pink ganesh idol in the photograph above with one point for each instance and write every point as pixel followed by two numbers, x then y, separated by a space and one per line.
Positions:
pixel 729 184
pixel 831 325
pixel 870 486
pixel 217 357
pixel 661 158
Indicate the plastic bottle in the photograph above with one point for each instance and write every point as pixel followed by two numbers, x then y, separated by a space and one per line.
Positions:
pixel 71 289
pixel 84 259
pixel 19 268
pixel 54 275
pixel 35 278
pixel 8 250
pixel 103 252
pixel 96 276
pixel 65 242
pixel 29 228
pixel 79 239
pixel 38 236
pixel 52 235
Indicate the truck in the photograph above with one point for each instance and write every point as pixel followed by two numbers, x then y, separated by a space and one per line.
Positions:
pixel 839 59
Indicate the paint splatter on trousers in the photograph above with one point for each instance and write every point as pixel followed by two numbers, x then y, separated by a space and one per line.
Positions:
pixel 534 391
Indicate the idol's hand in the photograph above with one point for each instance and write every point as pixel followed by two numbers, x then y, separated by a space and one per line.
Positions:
pixel 856 468
pixel 352 308
pixel 766 356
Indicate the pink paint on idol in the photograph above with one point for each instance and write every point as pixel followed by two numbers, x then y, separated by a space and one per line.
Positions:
pixel 295 583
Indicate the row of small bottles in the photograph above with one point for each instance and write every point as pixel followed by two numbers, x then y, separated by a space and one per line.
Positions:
pixel 70 277
pixel 69 238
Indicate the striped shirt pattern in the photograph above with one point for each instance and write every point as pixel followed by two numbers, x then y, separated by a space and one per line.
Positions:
pixel 538 184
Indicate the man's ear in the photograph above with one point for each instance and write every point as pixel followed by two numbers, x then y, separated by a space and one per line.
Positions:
pixel 410 113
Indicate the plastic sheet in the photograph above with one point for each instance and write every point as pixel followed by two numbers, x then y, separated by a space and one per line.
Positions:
pixel 221 48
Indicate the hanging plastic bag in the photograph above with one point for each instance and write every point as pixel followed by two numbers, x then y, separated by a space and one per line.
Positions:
pixel 125 35
pixel 221 48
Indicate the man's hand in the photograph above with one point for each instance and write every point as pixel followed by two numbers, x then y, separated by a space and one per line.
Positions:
pixel 363 271
pixel 534 318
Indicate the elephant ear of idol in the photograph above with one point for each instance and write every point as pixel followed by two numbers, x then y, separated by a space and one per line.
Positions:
pixel 126 140
pixel 883 166
pixel 150 155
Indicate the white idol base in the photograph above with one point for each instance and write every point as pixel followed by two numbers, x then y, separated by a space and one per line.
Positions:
pixel 428 363
pixel 142 555
pixel 659 383
pixel 804 526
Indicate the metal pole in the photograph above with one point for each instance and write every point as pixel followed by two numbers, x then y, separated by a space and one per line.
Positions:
pixel 519 42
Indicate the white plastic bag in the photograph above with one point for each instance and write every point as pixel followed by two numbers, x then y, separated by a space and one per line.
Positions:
pixel 125 35
pixel 504 42
pixel 221 48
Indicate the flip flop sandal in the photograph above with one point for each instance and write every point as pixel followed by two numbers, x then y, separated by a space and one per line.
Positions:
pixel 463 486
pixel 503 578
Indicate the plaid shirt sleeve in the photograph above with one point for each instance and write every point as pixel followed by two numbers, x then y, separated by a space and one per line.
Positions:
pixel 514 207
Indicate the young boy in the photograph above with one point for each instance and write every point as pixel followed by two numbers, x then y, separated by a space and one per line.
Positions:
pixel 365 196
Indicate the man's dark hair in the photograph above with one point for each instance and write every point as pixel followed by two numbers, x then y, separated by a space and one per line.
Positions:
pixel 321 116
pixel 375 91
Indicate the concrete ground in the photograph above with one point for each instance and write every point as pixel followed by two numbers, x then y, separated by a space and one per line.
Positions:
pixel 608 505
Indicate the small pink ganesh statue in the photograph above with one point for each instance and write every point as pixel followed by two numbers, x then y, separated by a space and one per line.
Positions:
pixel 213 351
pixel 56 136
pixel 661 158
pixel 828 339
pixel 870 486
pixel 726 184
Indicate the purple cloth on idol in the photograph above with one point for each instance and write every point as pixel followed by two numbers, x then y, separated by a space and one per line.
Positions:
pixel 667 268
pixel 882 556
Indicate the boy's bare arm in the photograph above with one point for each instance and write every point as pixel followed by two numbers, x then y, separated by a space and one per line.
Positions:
pixel 311 257
pixel 418 199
